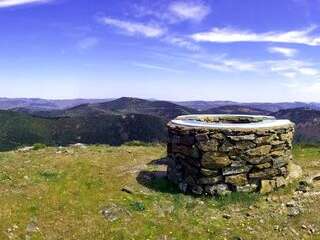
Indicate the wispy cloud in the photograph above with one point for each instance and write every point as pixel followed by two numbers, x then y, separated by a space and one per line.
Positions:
pixel 11 3
pixel 155 67
pixel 229 65
pixel 228 35
pixel 181 42
pixel 189 10
pixel 135 28
pixel 287 52
pixel 175 11
pixel 88 43
pixel 293 68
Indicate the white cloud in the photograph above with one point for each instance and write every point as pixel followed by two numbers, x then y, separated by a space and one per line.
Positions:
pixel 11 3
pixel 175 11
pixel 228 35
pixel 88 43
pixel 287 52
pixel 189 10
pixel 155 67
pixel 293 68
pixel 228 65
pixel 150 31
pixel 181 42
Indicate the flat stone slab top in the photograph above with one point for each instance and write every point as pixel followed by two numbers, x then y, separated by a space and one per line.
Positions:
pixel 234 122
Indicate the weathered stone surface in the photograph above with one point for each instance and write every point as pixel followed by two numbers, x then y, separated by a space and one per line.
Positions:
pixel 202 137
pixel 214 160
pixel 209 180
pixel 208 172
pixel 263 165
pixel 249 137
pixel 280 162
pixel 198 190
pixel 237 180
pixel 211 145
pixel 267 186
pixel 226 147
pixel 244 145
pixel 259 160
pixel 287 137
pixel 218 189
pixel 265 139
pixel 278 153
pixel 218 136
pixel 247 188
pixel 265 173
pixel 280 182
pixel 259 151
pixel 232 170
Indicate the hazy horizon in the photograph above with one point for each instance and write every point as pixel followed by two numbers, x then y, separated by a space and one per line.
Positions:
pixel 181 50
pixel 154 99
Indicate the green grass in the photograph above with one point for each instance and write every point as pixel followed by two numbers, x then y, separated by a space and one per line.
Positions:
pixel 63 193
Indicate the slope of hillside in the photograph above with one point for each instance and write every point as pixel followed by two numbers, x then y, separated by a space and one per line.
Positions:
pixel 236 109
pixel 18 129
pixel 163 109
pixel 103 192
pixel 269 107
pixel 307 123
pixel 37 104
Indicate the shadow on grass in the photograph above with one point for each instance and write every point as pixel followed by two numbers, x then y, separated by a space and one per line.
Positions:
pixel 160 161
pixel 157 180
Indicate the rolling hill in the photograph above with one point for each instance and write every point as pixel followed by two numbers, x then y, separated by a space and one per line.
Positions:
pixel 307 123
pixel 115 122
pixel 236 109
pixel 125 119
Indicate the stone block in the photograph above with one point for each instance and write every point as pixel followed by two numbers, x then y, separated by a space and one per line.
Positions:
pixel 214 160
pixel 237 180
pixel 210 180
pixel 259 151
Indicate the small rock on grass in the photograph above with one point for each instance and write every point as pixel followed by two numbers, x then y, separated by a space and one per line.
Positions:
pixel 226 216
pixel 127 190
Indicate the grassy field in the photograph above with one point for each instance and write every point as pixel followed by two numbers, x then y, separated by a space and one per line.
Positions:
pixel 103 192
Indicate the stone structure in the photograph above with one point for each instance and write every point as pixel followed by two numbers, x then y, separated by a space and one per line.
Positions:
pixel 217 154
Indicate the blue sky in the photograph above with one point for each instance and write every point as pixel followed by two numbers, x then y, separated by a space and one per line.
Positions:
pixel 248 50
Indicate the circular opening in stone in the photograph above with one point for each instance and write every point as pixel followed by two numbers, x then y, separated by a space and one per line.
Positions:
pixel 226 118
pixel 229 121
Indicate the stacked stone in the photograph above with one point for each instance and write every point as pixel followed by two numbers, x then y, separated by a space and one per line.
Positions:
pixel 217 161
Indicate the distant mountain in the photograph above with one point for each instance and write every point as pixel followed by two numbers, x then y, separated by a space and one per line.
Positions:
pixel 37 104
pixel 307 123
pixel 205 105
pixel 126 119
pixel 236 109
pixel 125 105
pixel 113 122
pixel 270 107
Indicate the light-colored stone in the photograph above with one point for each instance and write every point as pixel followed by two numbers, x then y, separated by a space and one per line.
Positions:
pixel 208 172
pixel 237 180
pixel 214 160
pixel 210 180
pixel 249 137
pixel 267 186
pixel 259 151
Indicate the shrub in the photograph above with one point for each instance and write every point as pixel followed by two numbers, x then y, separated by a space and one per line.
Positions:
pixel 39 146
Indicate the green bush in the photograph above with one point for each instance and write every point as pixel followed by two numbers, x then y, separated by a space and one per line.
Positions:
pixel 39 146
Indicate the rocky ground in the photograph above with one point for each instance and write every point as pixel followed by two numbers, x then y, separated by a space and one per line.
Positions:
pixel 103 192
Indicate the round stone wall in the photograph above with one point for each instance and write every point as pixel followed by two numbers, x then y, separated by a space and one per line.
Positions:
pixel 218 154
